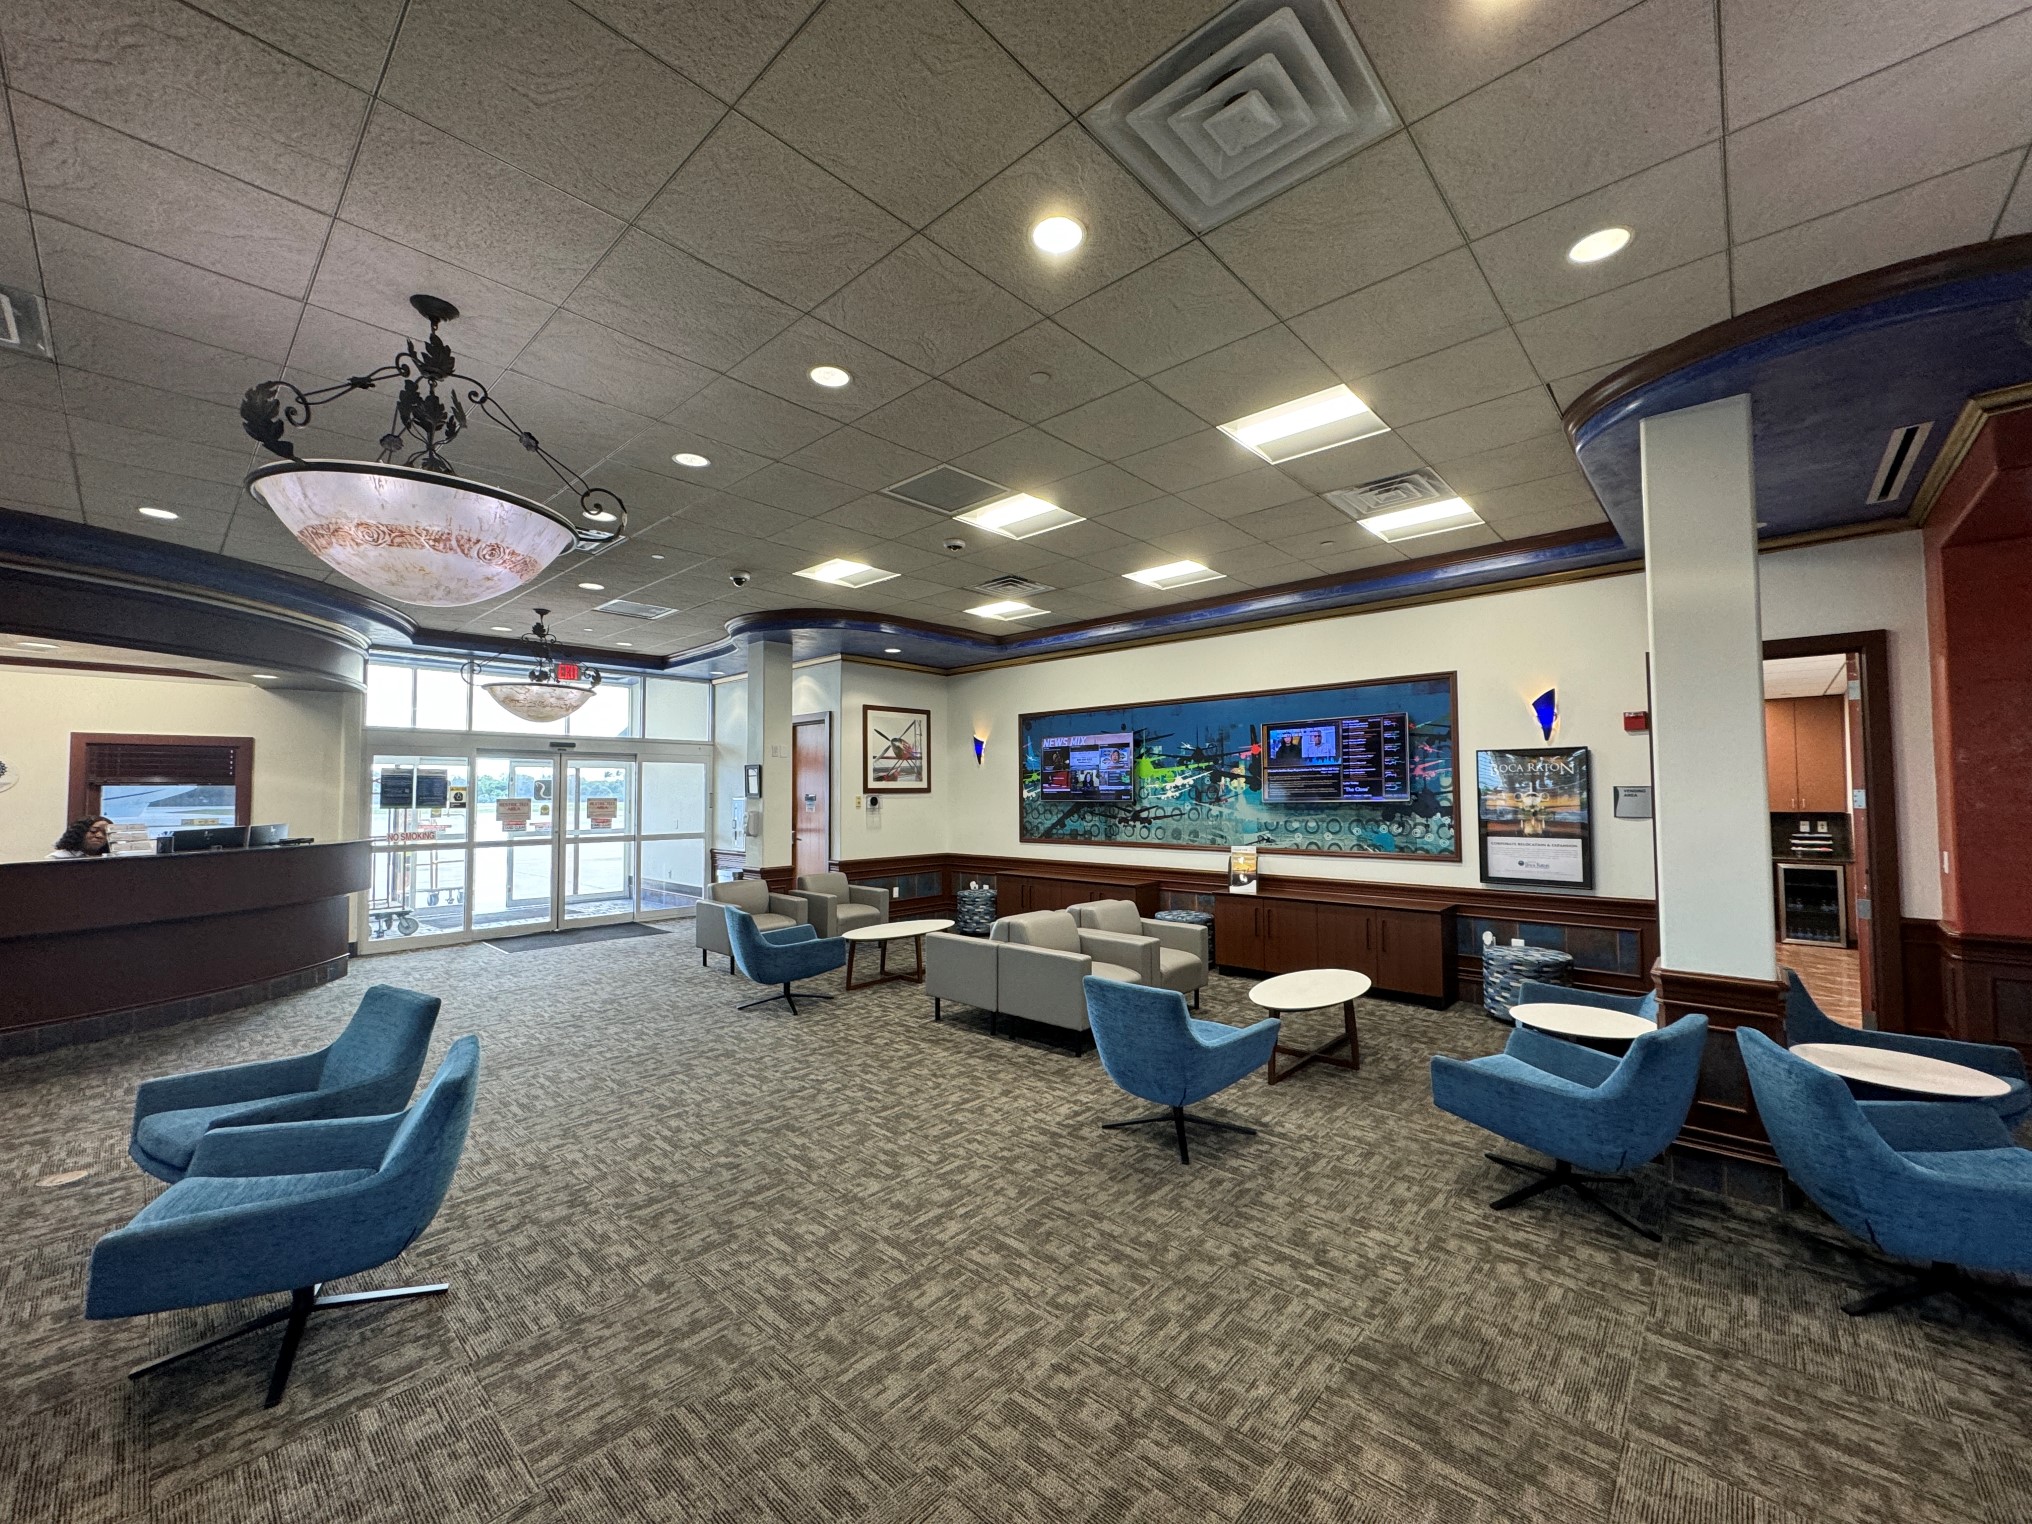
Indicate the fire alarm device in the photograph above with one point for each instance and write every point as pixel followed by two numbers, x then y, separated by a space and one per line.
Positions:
pixel 1637 721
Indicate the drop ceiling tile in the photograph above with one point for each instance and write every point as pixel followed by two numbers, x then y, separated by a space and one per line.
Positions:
pixel 1479 370
pixel 432 192
pixel 1353 464
pixel 112 347
pixel 1038 372
pixel 347 38
pixel 199 531
pixel 10 160
pixel 370 278
pixel 90 398
pixel 862 460
pixel 1640 88
pixel 786 487
pixel 1246 376
pixel 53 495
pixel 885 518
pixel 1431 54
pixel 1067 175
pixel 181 80
pixel 908 101
pixel 547 88
pixel 1159 516
pixel 926 308
pixel 1567 389
pixel 1525 499
pixel 938 421
pixel 752 419
pixel 1964 101
pixel 721 46
pixel 1350 226
pixel 1169 311
pixel 1551 521
pixel 30 381
pixel 104 275
pixel 667 298
pixel 653 447
pixel 127 189
pixel 119 491
pixel 1252 491
pixel 783 366
pixel 227 464
pixel 614 367
pixel 580 431
pixel 1302 517
pixel 1676 211
pixel 332 345
pixel 1487 426
pixel 1630 320
pixel 1546 453
pixel 1080 50
pixel 2017 216
pixel 1426 308
pixel 1276 570
pixel 1137 417
pixel 760 210
pixel 825 538
pixel 1101 490
pixel 1027 461
pixel 1942 213
pixel 1358 558
pixel 1207 456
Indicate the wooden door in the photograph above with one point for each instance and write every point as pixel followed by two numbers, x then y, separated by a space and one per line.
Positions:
pixel 811 804
pixel 1781 760
pixel 1238 931
pixel 1346 938
pixel 1410 952
pixel 1821 749
pixel 1290 936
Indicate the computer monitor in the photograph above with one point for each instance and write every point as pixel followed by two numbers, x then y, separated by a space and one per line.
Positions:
pixel 266 835
pixel 208 838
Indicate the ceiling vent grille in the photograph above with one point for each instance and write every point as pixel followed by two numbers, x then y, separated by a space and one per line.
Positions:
pixel 1011 586
pixel 629 609
pixel 1901 454
pixel 1265 94
pixel 1405 491
pixel 947 489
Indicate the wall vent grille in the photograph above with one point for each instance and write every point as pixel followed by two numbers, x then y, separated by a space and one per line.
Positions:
pixel 1901 454
pixel 629 609
pixel 947 489
pixel 1407 490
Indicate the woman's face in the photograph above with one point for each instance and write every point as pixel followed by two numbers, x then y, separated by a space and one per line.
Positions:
pixel 95 837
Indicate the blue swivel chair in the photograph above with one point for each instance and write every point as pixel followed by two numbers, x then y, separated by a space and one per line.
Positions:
pixel 782 956
pixel 1154 1048
pixel 288 1207
pixel 1806 1022
pixel 1937 1182
pixel 1581 1107
pixel 368 1070
pixel 1531 992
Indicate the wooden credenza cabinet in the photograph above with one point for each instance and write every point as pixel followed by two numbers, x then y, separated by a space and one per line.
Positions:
pixel 1407 950
pixel 1017 892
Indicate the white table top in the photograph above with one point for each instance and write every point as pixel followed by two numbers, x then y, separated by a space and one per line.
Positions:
pixel 889 931
pixel 1309 989
pixel 1902 1071
pixel 1581 1021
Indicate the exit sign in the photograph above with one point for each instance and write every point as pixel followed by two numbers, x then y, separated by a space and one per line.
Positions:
pixel 24 323
pixel 567 671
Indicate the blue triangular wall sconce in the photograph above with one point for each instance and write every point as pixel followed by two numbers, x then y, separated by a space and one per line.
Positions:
pixel 1545 708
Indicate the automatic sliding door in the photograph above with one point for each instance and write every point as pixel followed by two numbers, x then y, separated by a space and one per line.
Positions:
pixel 599 862
pixel 514 844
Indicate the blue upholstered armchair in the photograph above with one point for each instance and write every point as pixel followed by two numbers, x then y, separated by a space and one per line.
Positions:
pixel 1581 1107
pixel 1806 1022
pixel 1937 1182
pixel 1153 1048
pixel 781 957
pixel 287 1207
pixel 1531 992
pixel 368 1070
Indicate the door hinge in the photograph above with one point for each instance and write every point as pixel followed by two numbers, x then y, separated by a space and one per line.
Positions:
pixel 1856 800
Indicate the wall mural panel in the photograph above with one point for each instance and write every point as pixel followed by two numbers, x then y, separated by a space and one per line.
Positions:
pixel 1352 769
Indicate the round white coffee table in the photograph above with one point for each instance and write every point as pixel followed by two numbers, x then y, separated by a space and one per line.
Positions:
pixel 1589 1022
pixel 882 936
pixel 1903 1071
pixel 1313 989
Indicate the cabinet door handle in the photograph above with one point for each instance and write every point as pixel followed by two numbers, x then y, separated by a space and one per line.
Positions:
pixel 1386 936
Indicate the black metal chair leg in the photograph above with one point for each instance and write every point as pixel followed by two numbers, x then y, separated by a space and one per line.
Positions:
pixel 1624 1218
pixel 251 1325
pixel 937 1009
pixel 1161 1116
pixel 1178 1120
pixel 705 958
pixel 301 1301
pixel 790 1000
pixel 1524 1192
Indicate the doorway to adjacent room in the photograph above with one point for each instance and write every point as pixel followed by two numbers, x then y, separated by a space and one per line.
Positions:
pixel 811 818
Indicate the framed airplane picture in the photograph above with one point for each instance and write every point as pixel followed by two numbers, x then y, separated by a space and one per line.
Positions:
pixel 896 750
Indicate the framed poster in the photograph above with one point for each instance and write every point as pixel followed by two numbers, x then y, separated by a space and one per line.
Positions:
pixel 1536 826
pixel 895 750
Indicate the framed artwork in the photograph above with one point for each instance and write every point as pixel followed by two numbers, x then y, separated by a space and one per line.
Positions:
pixel 895 750
pixel 752 779
pixel 1534 810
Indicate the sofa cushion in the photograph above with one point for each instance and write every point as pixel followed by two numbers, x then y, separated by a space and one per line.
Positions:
pixel 1119 916
pixel 847 916
pixel 769 920
pixel 1055 929
pixel 1116 972
pixel 173 1136
pixel 1173 964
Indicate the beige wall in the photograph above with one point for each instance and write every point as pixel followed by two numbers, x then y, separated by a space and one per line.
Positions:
pixel 306 745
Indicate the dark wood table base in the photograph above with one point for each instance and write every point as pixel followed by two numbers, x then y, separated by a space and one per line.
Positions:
pixel 1324 1054
pixel 883 974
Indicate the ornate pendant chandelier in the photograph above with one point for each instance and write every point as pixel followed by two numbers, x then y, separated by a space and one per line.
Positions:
pixel 413 528
pixel 554 688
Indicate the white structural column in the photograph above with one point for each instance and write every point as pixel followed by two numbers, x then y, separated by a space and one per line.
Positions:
pixel 769 745
pixel 1707 693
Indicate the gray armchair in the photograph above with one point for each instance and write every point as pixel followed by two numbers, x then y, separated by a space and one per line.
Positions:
pixel 838 906
pixel 963 969
pixel 1042 959
pixel 1181 952
pixel 772 912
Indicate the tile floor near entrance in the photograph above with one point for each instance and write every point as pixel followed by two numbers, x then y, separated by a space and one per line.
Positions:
pixel 855 1265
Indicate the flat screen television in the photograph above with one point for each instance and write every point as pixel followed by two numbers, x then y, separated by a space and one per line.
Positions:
pixel 1354 759
pixel 1100 767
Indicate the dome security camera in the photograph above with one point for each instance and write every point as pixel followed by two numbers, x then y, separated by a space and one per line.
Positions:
pixel 741 579
pixel 955 544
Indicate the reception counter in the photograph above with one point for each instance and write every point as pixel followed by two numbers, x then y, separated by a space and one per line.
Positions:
pixel 93 949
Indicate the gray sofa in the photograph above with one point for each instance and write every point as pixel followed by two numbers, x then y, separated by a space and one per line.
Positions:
pixel 1031 966
pixel 1180 957
pixel 772 912
pixel 838 906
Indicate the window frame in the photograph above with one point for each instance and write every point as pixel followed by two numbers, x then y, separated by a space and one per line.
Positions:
pixel 83 796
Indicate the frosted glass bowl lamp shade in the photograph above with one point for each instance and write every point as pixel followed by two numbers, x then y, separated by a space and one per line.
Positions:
pixel 539 703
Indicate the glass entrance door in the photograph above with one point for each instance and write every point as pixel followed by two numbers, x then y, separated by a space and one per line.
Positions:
pixel 514 844
pixel 599 857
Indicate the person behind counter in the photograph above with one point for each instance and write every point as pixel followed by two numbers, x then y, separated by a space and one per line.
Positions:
pixel 84 838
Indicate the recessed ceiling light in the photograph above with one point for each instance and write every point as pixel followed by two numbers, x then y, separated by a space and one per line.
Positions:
pixel 1019 516
pixel 37 645
pixel 1426 518
pixel 688 458
pixel 624 643
pixel 502 629
pixel 654 556
pixel 892 650
pixel 594 587
pixel 1599 245
pixel 157 513
pixel 1006 608
pixel 844 573
pixel 1175 574
pixel 267 677
pixel 829 375
pixel 1058 235
pixel 1306 425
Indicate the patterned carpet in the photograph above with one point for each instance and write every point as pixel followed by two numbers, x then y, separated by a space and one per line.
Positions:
pixel 850 1264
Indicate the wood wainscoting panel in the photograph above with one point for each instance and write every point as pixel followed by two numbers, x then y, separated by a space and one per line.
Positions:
pixel 1976 989
pixel 1724 1117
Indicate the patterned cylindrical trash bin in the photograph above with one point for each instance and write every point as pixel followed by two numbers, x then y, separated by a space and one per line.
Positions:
pixel 1193 918
pixel 975 912
pixel 1504 970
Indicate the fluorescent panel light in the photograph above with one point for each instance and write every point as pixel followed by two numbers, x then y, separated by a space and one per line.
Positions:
pixel 1176 574
pixel 843 573
pixel 1306 425
pixel 1007 608
pixel 1426 518
pixel 1018 517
